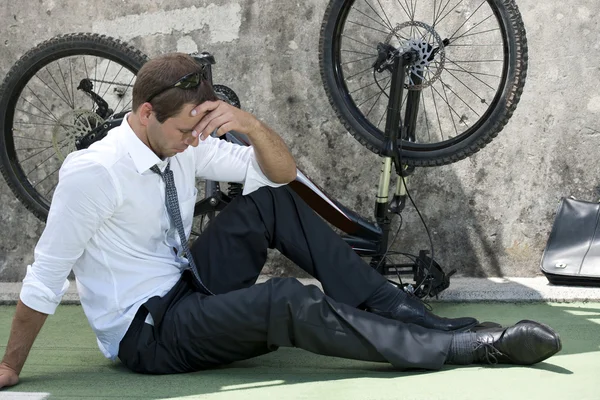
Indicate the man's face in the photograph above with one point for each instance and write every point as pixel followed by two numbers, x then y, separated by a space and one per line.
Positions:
pixel 175 134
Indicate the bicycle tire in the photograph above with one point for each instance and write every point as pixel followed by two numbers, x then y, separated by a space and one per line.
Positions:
pixel 18 77
pixel 502 107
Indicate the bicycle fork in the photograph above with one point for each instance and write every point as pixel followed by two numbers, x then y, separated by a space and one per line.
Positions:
pixel 393 130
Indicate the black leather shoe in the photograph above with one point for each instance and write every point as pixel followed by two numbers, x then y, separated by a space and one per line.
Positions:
pixel 412 310
pixel 525 343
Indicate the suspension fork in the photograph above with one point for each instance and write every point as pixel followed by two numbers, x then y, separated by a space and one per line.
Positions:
pixel 393 130
pixel 409 134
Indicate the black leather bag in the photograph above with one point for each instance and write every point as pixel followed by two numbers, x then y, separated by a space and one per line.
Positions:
pixel 572 254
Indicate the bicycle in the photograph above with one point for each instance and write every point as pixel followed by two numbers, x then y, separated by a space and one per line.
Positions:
pixel 419 64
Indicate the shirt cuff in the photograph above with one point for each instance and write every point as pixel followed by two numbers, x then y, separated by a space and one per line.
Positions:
pixel 37 296
pixel 255 178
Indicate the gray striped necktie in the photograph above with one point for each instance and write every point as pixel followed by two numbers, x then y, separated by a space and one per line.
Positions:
pixel 173 210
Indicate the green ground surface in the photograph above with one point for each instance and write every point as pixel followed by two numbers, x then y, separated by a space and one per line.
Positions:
pixel 66 364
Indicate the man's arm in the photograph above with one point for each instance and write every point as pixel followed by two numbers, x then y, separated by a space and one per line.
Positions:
pixel 84 198
pixel 26 325
pixel 273 156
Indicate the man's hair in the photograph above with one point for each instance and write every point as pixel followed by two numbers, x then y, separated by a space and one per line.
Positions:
pixel 162 72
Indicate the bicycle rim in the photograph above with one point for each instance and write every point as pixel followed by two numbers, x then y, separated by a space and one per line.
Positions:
pixel 49 105
pixel 467 64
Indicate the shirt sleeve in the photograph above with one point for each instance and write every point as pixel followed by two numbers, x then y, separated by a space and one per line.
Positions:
pixel 220 160
pixel 85 197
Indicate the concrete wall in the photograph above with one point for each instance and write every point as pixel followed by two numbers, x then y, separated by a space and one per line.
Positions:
pixel 489 215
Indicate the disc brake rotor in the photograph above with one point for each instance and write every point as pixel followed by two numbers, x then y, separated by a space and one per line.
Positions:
pixel 70 126
pixel 429 66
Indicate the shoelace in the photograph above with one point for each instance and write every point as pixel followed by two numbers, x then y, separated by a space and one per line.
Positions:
pixel 490 351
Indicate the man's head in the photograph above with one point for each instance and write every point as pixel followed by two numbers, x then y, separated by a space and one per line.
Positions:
pixel 161 111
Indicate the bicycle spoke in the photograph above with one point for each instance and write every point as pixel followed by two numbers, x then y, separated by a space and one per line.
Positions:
pixel 56 83
pixel 72 86
pixel 370 84
pixel 40 164
pixel 38 123
pixel 88 77
pixel 104 76
pixel 469 72
pixel 468 88
pixel 358 41
pixel 115 78
pixel 95 72
pixel 30 148
pixel 355 52
pixel 380 94
pixel 450 107
pixel 437 113
pixel 476 33
pixel 376 13
pixel 414 9
pixel 121 99
pixel 34 115
pixel 65 83
pixel 128 103
pixel 407 14
pixel 460 98
pixel 369 98
pixel 438 11
pixel 474 26
pixel 368 27
pixel 36 154
pixel 47 176
pixel 450 11
pixel 371 18
pixel 361 72
pixel 53 91
pixel 476 61
pixel 384 14
pixel 475 45
pixel 467 20
pixel 353 61
pixel 28 138
pixel 44 105
pixel 426 117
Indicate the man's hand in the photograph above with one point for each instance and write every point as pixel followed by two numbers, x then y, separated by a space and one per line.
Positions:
pixel 224 117
pixel 273 156
pixel 8 376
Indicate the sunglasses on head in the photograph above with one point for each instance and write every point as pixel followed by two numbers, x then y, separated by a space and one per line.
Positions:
pixel 189 81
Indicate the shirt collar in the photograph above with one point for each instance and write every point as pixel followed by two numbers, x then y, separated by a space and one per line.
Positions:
pixel 142 156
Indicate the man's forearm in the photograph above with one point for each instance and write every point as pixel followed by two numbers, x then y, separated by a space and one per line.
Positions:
pixel 25 328
pixel 273 156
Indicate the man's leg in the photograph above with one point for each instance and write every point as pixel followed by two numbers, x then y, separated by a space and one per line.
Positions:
pixel 232 251
pixel 199 331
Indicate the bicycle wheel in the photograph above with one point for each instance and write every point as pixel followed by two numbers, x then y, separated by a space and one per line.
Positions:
pixel 56 93
pixel 466 84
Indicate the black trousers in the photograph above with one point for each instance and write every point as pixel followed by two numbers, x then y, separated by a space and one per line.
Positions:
pixel 193 331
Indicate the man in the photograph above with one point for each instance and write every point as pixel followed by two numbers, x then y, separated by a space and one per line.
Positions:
pixel 120 218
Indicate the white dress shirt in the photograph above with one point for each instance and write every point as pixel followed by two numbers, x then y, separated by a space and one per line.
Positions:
pixel 109 224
